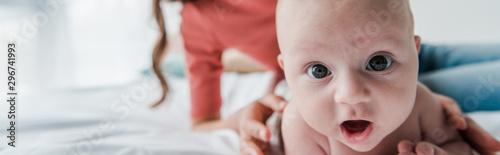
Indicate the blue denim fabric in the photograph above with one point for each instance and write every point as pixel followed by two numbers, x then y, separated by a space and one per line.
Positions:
pixel 470 74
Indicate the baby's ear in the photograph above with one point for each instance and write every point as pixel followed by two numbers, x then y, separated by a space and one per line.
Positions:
pixel 417 43
pixel 280 61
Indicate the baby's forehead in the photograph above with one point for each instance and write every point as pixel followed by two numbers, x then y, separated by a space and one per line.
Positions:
pixel 336 20
pixel 347 49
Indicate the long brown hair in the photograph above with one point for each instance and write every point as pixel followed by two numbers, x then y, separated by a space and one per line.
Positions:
pixel 160 48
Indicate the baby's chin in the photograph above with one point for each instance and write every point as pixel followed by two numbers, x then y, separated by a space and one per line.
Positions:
pixel 368 146
pixel 363 147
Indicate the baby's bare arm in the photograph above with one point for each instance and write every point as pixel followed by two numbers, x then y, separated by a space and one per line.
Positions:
pixel 297 135
pixel 435 129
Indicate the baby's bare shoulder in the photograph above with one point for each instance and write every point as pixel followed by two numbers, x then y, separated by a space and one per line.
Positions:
pixel 432 119
pixel 426 103
pixel 298 137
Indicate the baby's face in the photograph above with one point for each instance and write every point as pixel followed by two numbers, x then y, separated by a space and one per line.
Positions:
pixel 353 78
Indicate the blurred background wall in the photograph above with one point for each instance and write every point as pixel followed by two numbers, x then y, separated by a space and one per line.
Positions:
pixel 88 44
pixel 457 21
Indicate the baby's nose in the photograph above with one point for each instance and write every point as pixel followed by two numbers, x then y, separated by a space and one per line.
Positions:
pixel 350 89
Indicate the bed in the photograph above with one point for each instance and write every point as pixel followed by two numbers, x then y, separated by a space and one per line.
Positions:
pixel 119 120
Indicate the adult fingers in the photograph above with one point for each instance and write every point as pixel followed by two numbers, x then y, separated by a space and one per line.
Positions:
pixel 276 103
pixel 255 129
pixel 247 145
pixel 407 153
pixel 426 148
pixel 452 110
pixel 479 139
pixel 406 147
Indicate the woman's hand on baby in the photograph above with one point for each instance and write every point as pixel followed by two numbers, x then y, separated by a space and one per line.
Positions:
pixel 406 147
pixel 254 135
pixel 478 138
pixel 452 111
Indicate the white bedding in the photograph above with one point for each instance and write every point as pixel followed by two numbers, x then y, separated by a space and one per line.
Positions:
pixel 101 122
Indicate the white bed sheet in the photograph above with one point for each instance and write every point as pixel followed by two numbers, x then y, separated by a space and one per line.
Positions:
pixel 100 121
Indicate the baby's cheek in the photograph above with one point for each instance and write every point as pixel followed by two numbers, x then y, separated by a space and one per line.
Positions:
pixel 319 115
pixel 398 108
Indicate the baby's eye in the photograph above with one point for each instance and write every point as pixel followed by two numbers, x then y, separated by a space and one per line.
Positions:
pixel 379 63
pixel 318 71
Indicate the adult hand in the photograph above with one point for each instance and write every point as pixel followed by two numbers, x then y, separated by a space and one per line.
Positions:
pixel 254 135
pixel 406 147
pixel 477 138
pixel 452 111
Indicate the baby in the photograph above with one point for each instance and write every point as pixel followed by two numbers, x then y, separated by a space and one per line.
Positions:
pixel 352 68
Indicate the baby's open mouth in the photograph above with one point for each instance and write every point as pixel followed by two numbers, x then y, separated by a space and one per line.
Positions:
pixel 356 126
pixel 356 131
